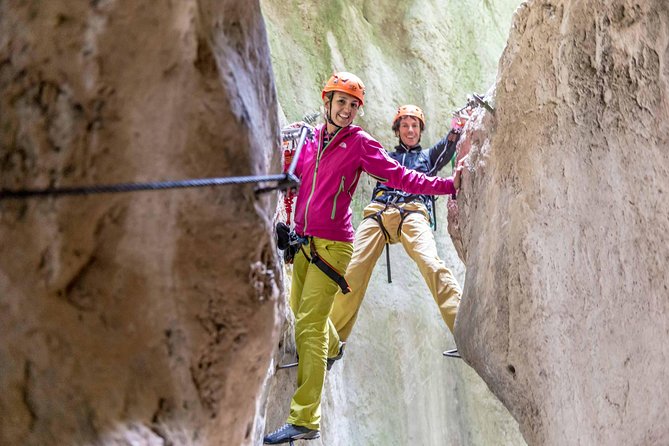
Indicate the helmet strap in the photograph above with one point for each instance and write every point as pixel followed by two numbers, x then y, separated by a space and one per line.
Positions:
pixel 328 113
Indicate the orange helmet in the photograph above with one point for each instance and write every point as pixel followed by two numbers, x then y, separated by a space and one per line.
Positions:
pixel 409 110
pixel 346 83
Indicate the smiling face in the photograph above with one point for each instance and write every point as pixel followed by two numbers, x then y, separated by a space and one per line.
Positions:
pixel 409 131
pixel 343 109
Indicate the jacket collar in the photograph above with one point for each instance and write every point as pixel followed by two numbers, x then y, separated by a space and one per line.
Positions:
pixel 401 148
pixel 340 134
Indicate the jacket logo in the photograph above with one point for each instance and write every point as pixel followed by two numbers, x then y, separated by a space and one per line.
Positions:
pixel 342 145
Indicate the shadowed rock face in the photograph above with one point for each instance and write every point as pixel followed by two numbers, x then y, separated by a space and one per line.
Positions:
pixel 563 222
pixel 134 318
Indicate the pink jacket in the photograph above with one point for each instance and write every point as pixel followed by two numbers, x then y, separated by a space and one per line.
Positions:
pixel 330 175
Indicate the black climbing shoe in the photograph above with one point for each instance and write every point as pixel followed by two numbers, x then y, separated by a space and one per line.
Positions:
pixel 331 361
pixel 452 353
pixel 289 432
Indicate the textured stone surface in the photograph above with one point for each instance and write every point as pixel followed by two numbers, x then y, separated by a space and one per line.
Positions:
pixel 135 318
pixel 563 223
pixel 429 52
pixel 393 386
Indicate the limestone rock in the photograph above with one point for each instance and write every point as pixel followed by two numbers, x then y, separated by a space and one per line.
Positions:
pixel 565 306
pixel 135 318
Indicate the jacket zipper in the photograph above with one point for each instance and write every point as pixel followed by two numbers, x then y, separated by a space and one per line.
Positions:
pixel 334 205
pixel 321 150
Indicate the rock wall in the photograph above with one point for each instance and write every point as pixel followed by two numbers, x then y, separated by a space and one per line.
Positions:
pixel 135 318
pixel 393 386
pixel 429 52
pixel 563 223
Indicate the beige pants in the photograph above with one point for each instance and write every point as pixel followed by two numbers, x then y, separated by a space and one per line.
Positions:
pixel 418 241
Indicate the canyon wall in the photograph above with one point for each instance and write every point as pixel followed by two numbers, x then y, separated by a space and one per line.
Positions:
pixel 142 318
pixel 562 222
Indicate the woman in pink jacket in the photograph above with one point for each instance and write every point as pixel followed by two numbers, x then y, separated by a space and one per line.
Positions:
pixel 329 169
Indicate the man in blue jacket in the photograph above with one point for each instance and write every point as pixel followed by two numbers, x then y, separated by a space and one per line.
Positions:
pixel 394 216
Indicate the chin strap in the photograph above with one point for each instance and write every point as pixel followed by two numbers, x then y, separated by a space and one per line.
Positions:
pixel 329 119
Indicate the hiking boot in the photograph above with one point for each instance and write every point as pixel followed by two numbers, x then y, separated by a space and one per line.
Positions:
pixel 289 432
pixel 331 361
pixel 452 353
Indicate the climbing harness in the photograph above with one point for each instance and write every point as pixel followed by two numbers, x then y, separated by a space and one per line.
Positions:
pixel 297 242
pixel 284 181
pixel 378 218
pixel 328 269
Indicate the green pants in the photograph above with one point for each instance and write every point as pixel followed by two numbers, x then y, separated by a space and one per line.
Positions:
pixel 418 241
pixel 311 297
